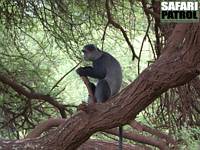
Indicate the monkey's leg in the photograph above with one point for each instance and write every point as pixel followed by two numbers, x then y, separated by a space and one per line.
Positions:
pixel 102 91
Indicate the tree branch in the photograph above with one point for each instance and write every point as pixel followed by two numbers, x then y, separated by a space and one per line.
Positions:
pixel 32 95
pixel 140 138
pixel 118 26
pixel 140 127
pixel 55 122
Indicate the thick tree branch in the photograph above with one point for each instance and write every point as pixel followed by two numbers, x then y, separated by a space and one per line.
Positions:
pixel 55 122
pixel 141 127
pixel 102 145
pixel 45 126
pixel 31 94
pixel 141 139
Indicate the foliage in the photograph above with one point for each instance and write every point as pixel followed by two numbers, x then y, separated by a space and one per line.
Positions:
pixel 190 137
pixel 41 40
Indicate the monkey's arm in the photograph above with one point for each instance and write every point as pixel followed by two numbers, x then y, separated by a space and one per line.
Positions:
pixel 91 72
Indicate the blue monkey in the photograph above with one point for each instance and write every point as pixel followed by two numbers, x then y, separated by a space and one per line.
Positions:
pixel 107 70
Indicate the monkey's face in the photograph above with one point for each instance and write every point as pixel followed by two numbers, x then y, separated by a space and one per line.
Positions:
pixel 89 55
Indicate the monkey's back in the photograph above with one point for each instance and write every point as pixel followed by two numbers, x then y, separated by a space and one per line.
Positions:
pixel 113 72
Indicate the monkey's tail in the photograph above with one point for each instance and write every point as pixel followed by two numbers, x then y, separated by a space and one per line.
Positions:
pixel 120 138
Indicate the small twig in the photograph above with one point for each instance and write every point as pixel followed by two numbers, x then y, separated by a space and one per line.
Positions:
pixel 64 77
pixel 87 82
pixel 84 106
pixel 104 34
pixel 140 53
pixel 118 26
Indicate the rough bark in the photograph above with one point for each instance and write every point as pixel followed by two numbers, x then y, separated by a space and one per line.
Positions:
pixel 48 124
pixel 45 126
pixel 102 145
pixel 176 66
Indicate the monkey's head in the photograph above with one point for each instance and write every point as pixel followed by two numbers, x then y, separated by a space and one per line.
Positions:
pixel 91 52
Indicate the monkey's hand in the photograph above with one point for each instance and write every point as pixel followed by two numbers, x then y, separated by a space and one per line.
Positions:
pixel 83 71
pixel 80 71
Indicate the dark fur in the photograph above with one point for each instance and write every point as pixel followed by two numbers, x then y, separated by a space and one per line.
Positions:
pixel 107 70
